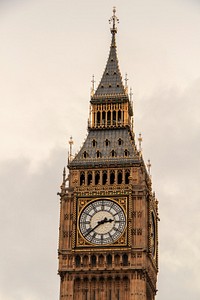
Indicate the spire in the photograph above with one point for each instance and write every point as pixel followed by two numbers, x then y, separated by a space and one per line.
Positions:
pixel 111 83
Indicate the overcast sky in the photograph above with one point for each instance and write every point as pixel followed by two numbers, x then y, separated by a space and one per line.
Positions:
pixel 49 51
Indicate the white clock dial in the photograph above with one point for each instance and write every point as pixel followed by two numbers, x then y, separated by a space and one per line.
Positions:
pixel 102 222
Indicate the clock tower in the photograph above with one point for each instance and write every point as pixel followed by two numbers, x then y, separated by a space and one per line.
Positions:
pixel 108 236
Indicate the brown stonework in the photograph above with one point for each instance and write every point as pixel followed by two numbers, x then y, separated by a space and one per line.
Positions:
pixel 108 233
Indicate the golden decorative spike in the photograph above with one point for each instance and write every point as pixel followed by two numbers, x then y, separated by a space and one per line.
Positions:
pixel 149 167
pixel 92 88
pixel 70 148
pixel 114 20
pixel 140 142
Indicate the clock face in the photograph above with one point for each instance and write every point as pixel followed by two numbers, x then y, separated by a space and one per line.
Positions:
pixel 102 222
pixel 153 235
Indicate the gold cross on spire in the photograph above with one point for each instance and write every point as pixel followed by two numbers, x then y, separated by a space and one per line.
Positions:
pixel 114 20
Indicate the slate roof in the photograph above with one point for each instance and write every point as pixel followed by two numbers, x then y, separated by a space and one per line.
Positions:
pixel 96 141
pixel 111 83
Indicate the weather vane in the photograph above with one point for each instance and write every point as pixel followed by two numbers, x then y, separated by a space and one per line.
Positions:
pixel 114 20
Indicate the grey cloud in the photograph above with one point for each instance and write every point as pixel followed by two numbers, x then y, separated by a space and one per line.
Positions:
pixel 29 228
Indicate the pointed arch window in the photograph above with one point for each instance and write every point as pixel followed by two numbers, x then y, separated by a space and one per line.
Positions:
pixel 93 260
pixel 120 141
pixel 108 117
pixel 107 142
pixel 126 152
pixel 104 177
pixel 125 259
pixel 94 143
pixel 98 153
pixel 82 178
pixel 98 117
pixel 97 177
pixel 112 177
pixel 113 153
pixel 119 117
pixel 85 154
pixel 109 260
pixel 114 117
pixel 89 178
pixel 127 174
pixel 119 177
pixel 77 260
pixel 103 118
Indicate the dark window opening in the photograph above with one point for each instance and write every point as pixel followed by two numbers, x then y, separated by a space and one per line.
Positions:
pixel 97 178
pixel 77 261
pixel 107 142
pixel 112 178
pixel 119 116
pixel 93 260
pixel 113 154
pixel 119 142
pixel 126 152
pixel 119 178
pixel 94 143
pixel 85 154
pixel 82 179
pixel 89 178
pixel 98 118
pixel 98 154
pixel 125 260
pixel 108 117
pixel 114 117
pixel 127 177
pixel 104 178
pixel 103 117
pixel 109 259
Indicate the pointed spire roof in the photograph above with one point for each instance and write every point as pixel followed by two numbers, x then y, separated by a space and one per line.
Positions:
pixel 111 84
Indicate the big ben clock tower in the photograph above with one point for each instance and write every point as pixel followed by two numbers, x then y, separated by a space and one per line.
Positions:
pixel 108 236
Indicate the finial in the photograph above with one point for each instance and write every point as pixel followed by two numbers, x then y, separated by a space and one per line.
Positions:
pixel 114 19
pixel 64 175
pixel 70 148
pixel 92 88
pixel 140 142
pixel 126 82
pixel 131 94
pixel 149 167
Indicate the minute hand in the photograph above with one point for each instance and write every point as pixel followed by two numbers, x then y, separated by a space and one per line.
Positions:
pixel 105 220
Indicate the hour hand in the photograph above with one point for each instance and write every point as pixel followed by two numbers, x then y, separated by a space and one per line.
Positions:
pixel 105 220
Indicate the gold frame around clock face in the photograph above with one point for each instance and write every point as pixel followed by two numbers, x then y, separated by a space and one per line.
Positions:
pixel 153 235
pixel 102 222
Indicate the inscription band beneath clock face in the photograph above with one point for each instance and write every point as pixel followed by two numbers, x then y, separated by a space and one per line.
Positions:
pixel 102 222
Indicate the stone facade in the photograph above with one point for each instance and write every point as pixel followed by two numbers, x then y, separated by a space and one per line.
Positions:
pixel 108 236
